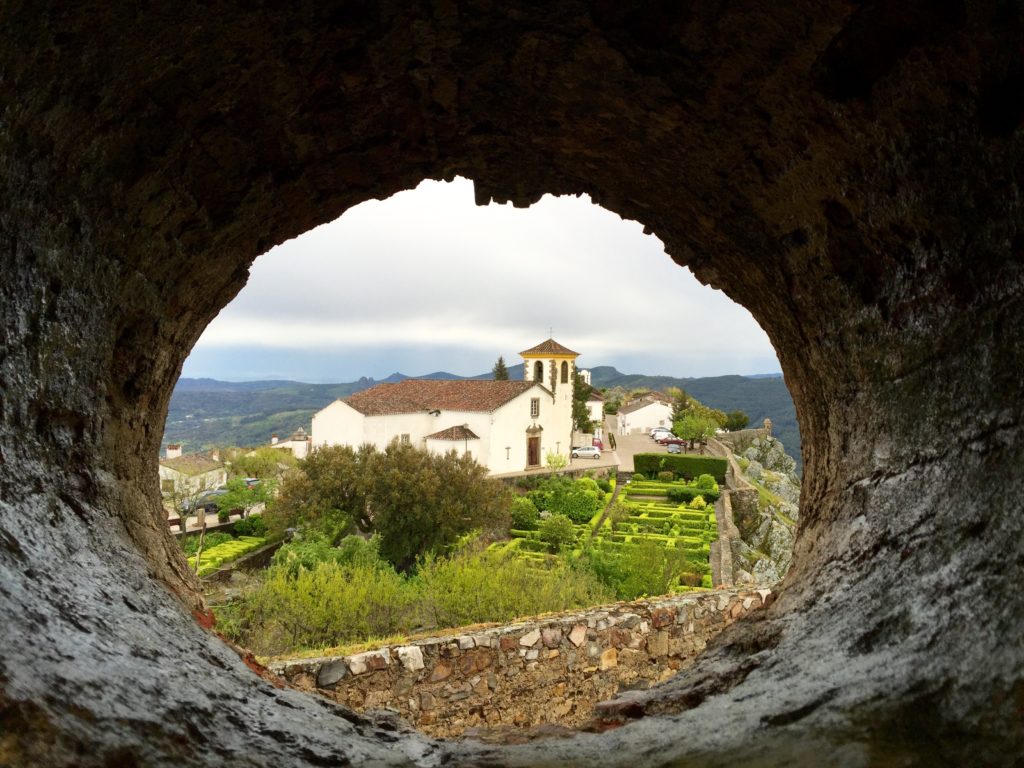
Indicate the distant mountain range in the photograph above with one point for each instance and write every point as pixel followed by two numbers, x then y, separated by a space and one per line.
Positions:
pixel 205 413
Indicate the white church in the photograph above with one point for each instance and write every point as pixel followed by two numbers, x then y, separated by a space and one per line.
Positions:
pixel 508 426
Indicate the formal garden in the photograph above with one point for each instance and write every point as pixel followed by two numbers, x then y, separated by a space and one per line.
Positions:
pixel 394 543
pixel 654 539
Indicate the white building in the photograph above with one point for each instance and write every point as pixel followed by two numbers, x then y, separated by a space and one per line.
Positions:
pixel 645 413
pixel 299 443
pixel 507 426
pixel 595 408
pixel 191 474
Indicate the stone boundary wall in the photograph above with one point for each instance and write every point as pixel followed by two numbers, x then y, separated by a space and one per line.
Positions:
pixel 553 669
pixel 742 439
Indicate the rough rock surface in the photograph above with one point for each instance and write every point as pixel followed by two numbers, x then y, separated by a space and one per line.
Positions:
pixel 849 172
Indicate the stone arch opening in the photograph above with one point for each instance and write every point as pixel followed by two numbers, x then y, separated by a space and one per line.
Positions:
pixel 859 199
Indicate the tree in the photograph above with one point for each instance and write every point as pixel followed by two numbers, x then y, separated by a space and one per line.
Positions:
pixel 327 493
pixel 736 420
pixel 242 496
pixel 680 402
pixel 417 502
pixel 555 461
pixel 422 502
pixel 500 371
pixel 185 497
pixel 580 413
pixel 695 426
pixel 557 532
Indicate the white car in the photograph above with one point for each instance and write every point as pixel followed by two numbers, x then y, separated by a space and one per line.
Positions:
pixel 656 433
pixel 586 452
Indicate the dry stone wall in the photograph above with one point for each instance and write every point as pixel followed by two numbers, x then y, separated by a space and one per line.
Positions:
pixel 548 670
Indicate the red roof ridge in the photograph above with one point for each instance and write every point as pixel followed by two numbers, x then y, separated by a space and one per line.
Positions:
pixel 418 395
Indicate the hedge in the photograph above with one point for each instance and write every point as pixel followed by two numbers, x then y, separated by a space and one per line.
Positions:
pixel 687 465
pixel 686 493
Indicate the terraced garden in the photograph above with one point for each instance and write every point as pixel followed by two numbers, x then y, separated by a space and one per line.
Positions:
pixel 675 516
pixel 226 552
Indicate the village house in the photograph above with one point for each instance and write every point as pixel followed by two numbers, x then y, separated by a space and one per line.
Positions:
pixel 299 443
pixel 595 410
pixel 190 474
pixel 508 426
pixel 644 413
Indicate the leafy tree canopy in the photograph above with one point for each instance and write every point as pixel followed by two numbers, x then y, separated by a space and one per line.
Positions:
pixel 581 421
pixel 415 502
pixel 736 420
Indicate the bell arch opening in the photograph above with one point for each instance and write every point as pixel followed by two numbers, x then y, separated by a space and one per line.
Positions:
pixel 872 188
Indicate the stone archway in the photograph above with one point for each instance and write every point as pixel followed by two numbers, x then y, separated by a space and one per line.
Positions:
pixel 850 175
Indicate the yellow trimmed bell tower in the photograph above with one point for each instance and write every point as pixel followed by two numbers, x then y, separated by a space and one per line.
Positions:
pixel 554 366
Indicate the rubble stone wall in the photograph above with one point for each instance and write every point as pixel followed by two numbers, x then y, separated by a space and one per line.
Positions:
pixel 548 670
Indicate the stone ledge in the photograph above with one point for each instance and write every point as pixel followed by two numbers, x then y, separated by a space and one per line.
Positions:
pixel 550 670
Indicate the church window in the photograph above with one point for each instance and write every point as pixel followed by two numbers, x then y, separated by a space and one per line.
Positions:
pixel 538 371
pixel 565 372
pixel 534 407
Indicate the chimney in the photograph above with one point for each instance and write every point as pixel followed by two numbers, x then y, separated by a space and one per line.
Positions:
pixel 173 450
pixel 273 439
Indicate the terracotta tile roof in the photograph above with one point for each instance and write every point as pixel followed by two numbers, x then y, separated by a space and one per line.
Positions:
pixel 192 464
pixel 549 347
pixel 417 395
pixel 454 433
pixel 595 395
pixel 636 405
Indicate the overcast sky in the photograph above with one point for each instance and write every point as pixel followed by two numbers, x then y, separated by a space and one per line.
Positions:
pixel 428 281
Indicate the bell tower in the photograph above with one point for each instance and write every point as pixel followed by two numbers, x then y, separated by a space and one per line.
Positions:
pixel 554 366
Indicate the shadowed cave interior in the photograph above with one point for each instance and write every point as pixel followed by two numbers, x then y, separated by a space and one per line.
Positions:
pixel 850 173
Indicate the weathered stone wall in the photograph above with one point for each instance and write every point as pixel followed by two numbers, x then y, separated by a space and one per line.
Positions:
pixel 549 670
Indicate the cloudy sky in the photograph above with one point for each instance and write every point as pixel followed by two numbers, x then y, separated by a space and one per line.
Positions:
pixel 428 281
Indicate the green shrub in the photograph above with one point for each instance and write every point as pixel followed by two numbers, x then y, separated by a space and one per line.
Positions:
pixel 685 465
pixel 604 485
pixel 666 476
pixel 254 525
pixel 558 532
pixel 638 477
pixel 223 515
pixel 686 494
pixel 698 503
pixel 524 514
pixel 190 544
pixel 706 482
pixel 335 603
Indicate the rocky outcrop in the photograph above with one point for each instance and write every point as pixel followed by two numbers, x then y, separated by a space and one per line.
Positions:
pixel 850 173
pixel 764 496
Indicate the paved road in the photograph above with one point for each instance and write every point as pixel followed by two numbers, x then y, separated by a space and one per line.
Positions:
pixel 628 445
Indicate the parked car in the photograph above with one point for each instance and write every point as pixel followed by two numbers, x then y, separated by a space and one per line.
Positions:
pixel 665 437
pixel 671 440
pixel 654 432
pixel 675 447
pixel 596 442
pixel 206 501
pixel 586 452
pixel 251 482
